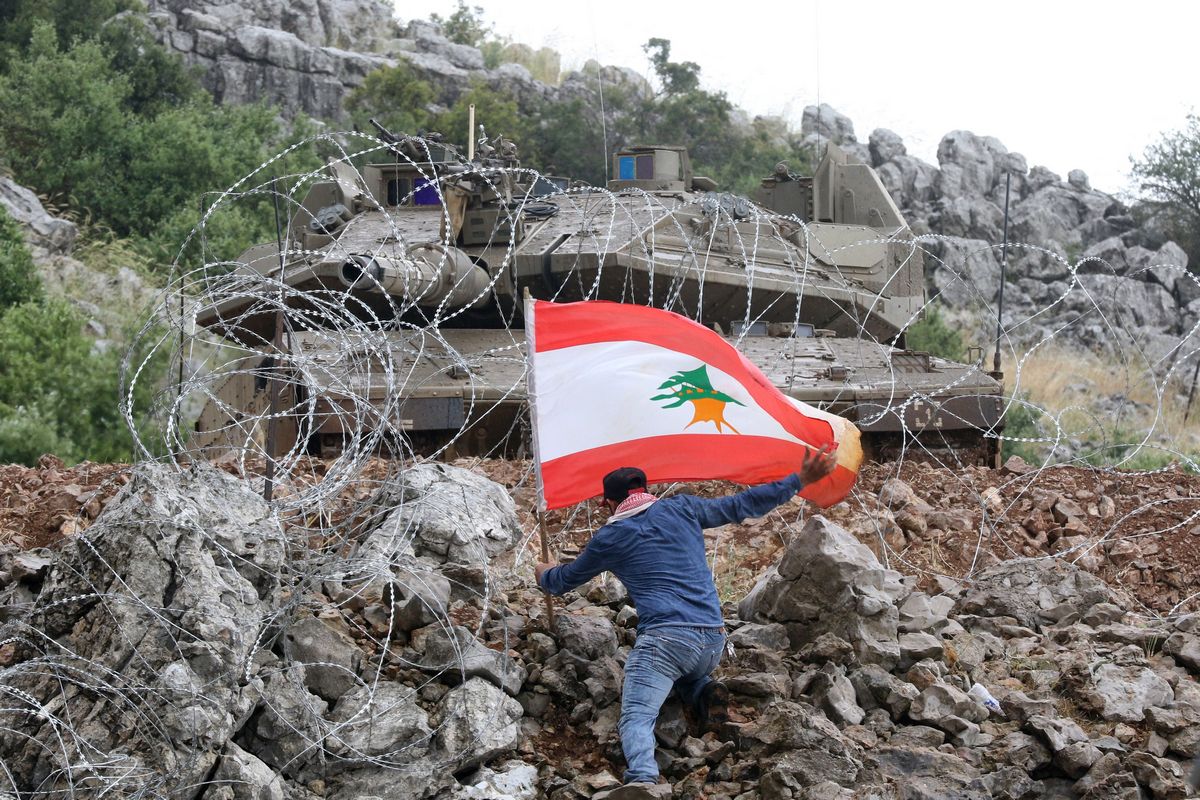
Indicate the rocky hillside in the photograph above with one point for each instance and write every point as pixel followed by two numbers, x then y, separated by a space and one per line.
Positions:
pixel 178 639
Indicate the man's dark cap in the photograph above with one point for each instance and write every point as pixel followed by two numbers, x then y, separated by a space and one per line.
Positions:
pixel 618 482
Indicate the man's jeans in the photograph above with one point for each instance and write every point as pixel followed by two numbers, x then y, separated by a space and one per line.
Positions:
pixel 675 656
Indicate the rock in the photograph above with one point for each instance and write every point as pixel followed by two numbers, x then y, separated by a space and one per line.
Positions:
pixel 1185 649
pixel 1078 179
pixel 586 636
pixel 828 582
pixel 771 636
pixel 1163 777
pixel 940 701
pixel 921 613
pixel 1077 758
pixel 188 564
pixel 827 123
pixel 1108 779
pixel 378 720
pixel 916 647
pixel 291 720
pixel 812 749
pixel 834 694
pixel 969 163
pixel 884 145
pixel 1027 589
pixel 330 656
pixel 450 514
pixel 1123 693
pixel 1056 732
pixel 241 776
pixel 512 780
pixel 875 687
pixel 49 233
pixel 1021 750
pixel 477 723
pixel 462 656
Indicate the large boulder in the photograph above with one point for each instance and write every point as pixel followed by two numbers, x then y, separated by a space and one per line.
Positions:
pixel 829 582
pixel 446 514
pixel 156 614
pixel 42 230
pixel 1033 591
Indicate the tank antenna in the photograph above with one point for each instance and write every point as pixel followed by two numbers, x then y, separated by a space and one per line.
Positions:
pixel 600 83
pixel 471 132
pixel 276 358
pixel 1003 275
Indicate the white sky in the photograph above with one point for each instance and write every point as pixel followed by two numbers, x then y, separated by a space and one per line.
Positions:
pixel 1067 83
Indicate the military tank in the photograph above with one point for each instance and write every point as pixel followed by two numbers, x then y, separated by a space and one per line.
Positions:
pixel 815 279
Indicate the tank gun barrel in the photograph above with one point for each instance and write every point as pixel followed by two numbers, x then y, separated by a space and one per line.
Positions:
pixel 432 274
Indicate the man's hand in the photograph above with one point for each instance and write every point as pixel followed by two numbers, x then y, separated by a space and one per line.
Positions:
pixel 817 464
pixel 539 569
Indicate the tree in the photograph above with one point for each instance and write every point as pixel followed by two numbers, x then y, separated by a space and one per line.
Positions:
pixel 394 96
pixel 465 25
pixel 932 335
pixel 497 114
pixel 677 78
pixel 70 20
pixel 1169 175
pixel 124 138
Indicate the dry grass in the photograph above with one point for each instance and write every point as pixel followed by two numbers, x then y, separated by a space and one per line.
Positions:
pixel 1083 390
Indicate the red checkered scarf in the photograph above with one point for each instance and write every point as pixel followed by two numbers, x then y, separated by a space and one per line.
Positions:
pixel 637 502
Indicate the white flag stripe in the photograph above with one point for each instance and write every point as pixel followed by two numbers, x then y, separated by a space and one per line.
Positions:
pixel 595 395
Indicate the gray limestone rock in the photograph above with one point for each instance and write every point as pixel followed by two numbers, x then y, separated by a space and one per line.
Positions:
pixel 769 636
pixel 1029 588
pixel 188 564
pixel 42 230
pixel 477 723
pixel 457 655
pixel 330 656
pixel 380 719
pixel 1056 732
pixel 450 514
pixel 1021 750
pixel 586 636
pixel 1123 693
pixel 241 776
pixel 828 123
pixel 885 145
pixel 828 582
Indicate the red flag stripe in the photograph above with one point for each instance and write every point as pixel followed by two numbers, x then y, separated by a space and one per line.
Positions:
pixel 562 325
pixel 743 459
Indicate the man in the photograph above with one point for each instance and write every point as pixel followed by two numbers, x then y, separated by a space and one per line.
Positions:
pixel 656 548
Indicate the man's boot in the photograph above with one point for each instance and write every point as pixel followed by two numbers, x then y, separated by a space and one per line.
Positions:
pixel 712 707
pixel 638 791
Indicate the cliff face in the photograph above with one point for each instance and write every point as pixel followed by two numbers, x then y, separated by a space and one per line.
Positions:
pixel 305 56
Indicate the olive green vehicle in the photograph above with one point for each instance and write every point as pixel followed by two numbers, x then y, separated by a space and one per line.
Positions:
pixel 815 281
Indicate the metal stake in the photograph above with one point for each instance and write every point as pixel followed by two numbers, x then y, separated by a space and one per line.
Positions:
pixel 276 360
pixel 1003 275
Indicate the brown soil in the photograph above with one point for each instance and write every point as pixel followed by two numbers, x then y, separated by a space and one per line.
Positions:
pixel 1159 512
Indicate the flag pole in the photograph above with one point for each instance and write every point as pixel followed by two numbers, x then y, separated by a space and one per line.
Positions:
pixel 537 463
pixel 541 520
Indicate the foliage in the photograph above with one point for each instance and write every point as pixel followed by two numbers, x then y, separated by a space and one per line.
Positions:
pixel 1021 422
pixel 123 135
pixel 58 392
pixel 394 96
pixel 677 78
pixel 19 280
pixel 497 115
pixel 932 335
pixel 1169 175
pixel 69 19
pixel 465 25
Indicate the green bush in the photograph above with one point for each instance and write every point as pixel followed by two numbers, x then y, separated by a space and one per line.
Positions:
pixel 58 392
pixel 395 97
pixel 932 335
pixel 19 280
pixel 1022 421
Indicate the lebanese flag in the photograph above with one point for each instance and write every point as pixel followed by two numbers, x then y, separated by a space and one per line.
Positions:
pixel 617 385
